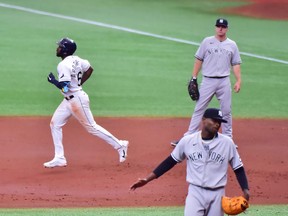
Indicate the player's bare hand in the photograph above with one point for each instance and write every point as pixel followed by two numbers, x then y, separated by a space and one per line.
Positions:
pixel 237 87
pixel 139 183
pixel 246 194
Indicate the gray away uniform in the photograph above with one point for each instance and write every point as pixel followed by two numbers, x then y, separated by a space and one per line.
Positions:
pixel 217 58
pixel 207 167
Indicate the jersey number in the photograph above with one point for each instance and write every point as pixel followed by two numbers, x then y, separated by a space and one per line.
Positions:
pixel 79 77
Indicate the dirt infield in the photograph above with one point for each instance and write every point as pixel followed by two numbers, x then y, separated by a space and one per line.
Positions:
pixel 94 178
pixel 262 9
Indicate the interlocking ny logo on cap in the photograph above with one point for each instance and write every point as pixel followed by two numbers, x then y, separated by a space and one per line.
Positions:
pixel 221 20
pixel 220 113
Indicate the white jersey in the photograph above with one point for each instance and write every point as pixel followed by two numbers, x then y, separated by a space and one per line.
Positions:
pixel 71 69
pixel 207 165
pixel 218 56
pixel 77 104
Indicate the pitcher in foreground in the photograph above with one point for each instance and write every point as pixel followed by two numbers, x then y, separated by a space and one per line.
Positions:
pixel 208 154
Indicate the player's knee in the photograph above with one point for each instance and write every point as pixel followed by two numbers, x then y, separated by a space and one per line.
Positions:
pixel 226 111
pixel 90 128
pixel 51 124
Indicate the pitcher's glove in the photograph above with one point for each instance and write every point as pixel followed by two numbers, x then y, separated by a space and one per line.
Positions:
pixel 193 89
pixel 234 205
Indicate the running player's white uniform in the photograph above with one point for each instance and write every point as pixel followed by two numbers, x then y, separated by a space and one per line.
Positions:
pixel 207 167
pixel 76 103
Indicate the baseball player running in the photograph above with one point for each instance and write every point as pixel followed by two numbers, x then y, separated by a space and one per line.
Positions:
pixel 215 56
pixel 208 154
pixel 73 71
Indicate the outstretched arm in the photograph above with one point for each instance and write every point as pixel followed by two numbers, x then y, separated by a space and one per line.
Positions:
pixel 143 181
pixel 165 166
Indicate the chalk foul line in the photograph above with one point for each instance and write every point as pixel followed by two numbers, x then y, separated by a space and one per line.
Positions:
pixel 29 10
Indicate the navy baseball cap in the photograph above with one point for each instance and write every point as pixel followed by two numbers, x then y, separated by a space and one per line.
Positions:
pixel 214 113
pixel 221 22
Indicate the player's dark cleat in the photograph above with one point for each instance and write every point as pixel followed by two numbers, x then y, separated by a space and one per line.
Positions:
pixel 174 143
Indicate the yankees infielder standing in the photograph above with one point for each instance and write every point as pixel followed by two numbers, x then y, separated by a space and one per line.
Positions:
pixel 73 71
pixel 215 56
pixel 208 154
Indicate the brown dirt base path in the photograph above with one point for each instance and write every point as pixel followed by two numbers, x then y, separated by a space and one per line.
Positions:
pixel 94 178
pixel 262 9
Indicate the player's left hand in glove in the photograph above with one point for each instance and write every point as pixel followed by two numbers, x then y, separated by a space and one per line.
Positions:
pixel 234 205
pixel 193 89
pixel 51 78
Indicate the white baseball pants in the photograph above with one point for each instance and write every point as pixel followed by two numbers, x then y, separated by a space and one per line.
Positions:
pixel 78 107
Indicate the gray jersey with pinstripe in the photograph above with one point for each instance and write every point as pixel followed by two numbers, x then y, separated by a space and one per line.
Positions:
pixel 217 56
pixel 207 162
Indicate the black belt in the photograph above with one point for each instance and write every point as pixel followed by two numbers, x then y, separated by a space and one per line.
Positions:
pixel 69 97
pixel 216 77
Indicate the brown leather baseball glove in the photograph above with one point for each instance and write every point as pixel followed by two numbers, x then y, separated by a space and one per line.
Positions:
pixel 234 205
pixel 193 89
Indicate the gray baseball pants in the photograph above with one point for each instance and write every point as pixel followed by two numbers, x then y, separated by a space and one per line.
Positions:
pixel 221 88
pixel 204 202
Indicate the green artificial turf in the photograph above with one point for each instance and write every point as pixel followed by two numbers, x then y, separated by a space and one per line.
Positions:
pixel 268 210
pixel 136 75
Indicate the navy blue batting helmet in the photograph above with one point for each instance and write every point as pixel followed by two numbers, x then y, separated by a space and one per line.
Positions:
pixel 68 46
